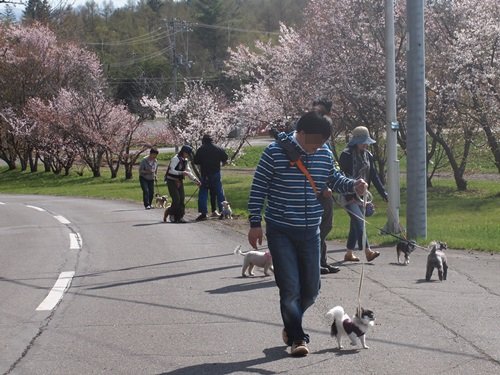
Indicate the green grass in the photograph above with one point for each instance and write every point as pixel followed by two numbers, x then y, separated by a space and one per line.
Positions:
pixel 466 220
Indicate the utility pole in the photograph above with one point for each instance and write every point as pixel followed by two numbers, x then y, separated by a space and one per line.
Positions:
pixel 173 28
pixel 176 26
pixel 416 176
pixel 392 126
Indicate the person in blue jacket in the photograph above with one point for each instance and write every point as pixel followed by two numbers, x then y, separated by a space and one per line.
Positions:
pixel 293 215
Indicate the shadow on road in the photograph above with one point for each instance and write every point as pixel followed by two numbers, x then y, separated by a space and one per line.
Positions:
pixel 243 287
pixel 270 355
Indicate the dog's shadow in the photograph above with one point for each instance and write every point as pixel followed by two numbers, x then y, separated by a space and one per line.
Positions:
pixel 398 264
pixel 248 366
pixel 259 284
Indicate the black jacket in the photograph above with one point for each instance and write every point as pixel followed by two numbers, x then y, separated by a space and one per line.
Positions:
pixel 209 157
pixel 346 165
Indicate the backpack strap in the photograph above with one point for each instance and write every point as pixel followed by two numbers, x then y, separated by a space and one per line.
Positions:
pixel 306 173
pixel 293 155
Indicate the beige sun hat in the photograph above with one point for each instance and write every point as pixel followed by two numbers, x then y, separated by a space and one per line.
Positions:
pixel 361 136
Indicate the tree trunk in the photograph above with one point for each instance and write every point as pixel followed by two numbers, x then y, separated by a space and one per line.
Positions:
pixel 24 164
pixel 458 168
pixel 492 143
pixel 11 164
pixel 46 164
pixel 460 182
pixel 33 160
pixel 490 135
pixel 128 170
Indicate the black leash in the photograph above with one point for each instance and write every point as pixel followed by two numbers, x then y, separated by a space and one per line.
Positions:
pixel 192 195
pixel 382 231
pixel 156 184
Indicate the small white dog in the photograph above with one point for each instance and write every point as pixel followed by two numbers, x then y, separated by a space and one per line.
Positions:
pixel 354 329
pixel 255 258
pixel 226 213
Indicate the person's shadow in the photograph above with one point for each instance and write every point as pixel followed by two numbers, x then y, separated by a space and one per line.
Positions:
pixel 270 354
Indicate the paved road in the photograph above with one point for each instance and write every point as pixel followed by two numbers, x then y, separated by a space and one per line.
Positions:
pixel 155 298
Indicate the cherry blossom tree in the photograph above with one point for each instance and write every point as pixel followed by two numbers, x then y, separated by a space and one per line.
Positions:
pixel 35 64
pixel 463 85
pixel 55 144
pixel 338 54
pixel 200 110
pixel 477 64
pixel 96 125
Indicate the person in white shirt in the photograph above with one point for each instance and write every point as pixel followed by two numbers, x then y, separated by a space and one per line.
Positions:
pixel 174 178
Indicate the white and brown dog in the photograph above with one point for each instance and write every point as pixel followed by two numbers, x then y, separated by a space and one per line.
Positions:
pixel 254 258
pixel 226 213
pixel 161 201
pixel 355 329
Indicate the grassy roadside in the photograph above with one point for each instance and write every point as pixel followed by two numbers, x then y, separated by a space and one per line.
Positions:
pixel 466 220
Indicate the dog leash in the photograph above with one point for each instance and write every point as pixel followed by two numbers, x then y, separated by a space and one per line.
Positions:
pixel 382 231
pixel 361 277
pixel 192 195
pixel 157 188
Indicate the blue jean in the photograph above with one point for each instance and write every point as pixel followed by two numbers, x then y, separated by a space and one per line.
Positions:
pixel 214 184
pixel 295 256
pixel 148 191
pixel 356 227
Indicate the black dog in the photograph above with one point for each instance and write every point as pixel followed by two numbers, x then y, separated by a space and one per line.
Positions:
pixel 405 247
pixel 437 259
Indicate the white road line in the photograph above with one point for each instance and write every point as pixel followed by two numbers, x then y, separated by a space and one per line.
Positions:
pixel 56 293
pixel 35 208
pixel 62 219
pixel 75 241
pixel 2 203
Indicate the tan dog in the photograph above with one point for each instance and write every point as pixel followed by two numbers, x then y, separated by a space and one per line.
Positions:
pixel 167 214
pixel 161 201
pixel 257 258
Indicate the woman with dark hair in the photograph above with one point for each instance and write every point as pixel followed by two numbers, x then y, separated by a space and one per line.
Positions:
pixel 357 162
pixel 174 178
pixel 147 176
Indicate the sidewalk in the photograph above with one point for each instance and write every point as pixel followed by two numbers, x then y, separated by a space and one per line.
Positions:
pixel 448 327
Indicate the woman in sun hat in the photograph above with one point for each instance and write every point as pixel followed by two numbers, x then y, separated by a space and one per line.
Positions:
pixel 357 162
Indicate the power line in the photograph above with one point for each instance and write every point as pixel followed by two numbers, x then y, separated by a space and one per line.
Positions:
pixel 145 38
pixel 142 59
pixel 155 36
pixel 227 28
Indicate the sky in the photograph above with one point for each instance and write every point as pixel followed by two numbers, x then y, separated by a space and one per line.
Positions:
pixel 18 9
pixel 116 3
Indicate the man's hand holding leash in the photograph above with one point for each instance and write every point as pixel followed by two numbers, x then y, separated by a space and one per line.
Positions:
pixel 360 187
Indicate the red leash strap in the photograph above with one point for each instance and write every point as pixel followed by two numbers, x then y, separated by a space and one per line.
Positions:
pixel 306 173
